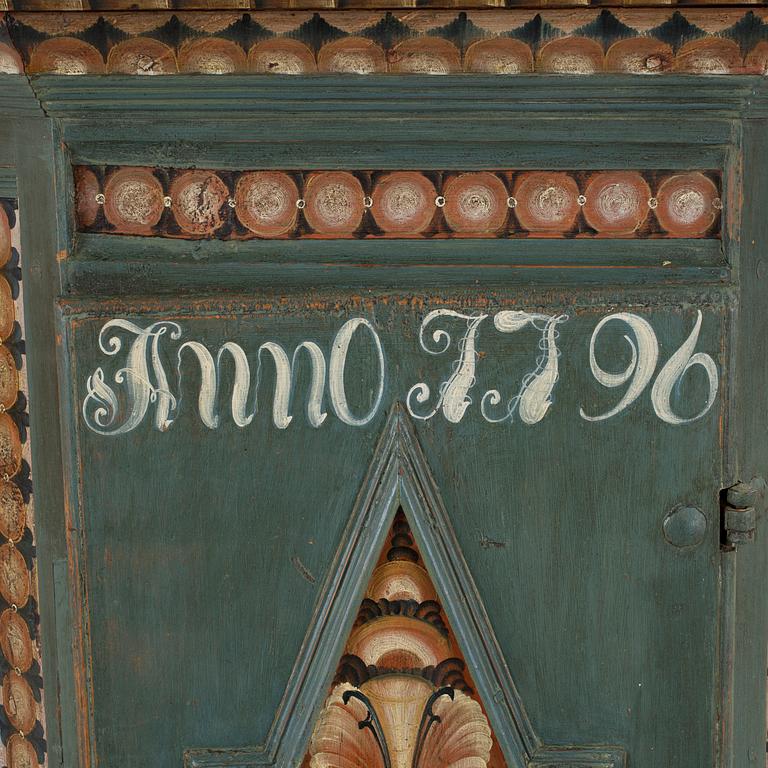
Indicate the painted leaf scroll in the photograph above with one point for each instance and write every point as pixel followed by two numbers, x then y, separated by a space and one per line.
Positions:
pixel 402 696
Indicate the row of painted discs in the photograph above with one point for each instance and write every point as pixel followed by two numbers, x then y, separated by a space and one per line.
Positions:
pixel 426 54
pixel 16 642
pixel 269 204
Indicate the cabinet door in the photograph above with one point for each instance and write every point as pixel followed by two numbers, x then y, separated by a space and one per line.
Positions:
pixel 401 426
pixel 556 467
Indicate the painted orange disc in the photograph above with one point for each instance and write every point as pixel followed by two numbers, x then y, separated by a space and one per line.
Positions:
pixel 617 202
pixel 388 634
pixel 66 56
pixel 10 446
pixel 212 56
pixel 15 642
pixel 133 200
pixel 499 56
pixel 334 203
pixel 265 202
pixel 401 580
pixel 709 56
pixel 10 61
pixel 13 514
pixel 7 310
pixel 546 201
pixel 281 56
pixel 687 204
pixel 352 55
pixel 197 201
pixel 404 202
pixel 5 238
pixel 86 189
pixel 425 56
pixel 141 56
pixel 20 752
pixel 19 702
pixel 571 56
pixel 9 378
pixel 639 56
pixel 476 203
pixel 14 576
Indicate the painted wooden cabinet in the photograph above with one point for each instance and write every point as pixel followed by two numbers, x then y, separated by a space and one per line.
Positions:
pixel 406 412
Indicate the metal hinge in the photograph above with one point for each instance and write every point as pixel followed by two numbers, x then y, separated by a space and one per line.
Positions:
pixel 738 511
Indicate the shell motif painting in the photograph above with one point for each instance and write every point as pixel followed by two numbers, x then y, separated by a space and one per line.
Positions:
pixel 402 696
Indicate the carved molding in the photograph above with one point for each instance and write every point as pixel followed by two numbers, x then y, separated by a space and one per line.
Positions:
pixel 500 41
pixel 239 205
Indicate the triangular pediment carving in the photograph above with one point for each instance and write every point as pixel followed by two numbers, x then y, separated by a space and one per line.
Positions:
pixel 343 667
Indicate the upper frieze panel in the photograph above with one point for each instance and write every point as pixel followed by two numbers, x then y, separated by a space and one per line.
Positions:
pixel 500 41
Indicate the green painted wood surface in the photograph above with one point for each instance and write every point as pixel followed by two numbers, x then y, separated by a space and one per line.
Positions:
pixel 34 149
pixel 8 183
pixel 196 607
pixel 120 266
pixel 599 618
pixel 748 456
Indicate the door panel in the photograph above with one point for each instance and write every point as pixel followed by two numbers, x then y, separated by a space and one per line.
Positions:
pixel 204 548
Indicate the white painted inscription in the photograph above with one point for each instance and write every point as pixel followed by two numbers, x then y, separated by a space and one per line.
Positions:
pixel 142 384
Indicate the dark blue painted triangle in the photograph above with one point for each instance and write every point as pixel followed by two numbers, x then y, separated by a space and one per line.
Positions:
pixel 748 31
pixel 461 31
pixel 388 32
pixel 245 32
pixel 677 31
pixel 24 37
pixel 317 32
pixel 606 29
pixel 535 32
pixel 174 32
pixel 102 35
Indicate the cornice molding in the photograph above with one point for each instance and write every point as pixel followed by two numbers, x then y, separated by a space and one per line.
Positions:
pixel 499 41
pixel 286 107
pixel 294 101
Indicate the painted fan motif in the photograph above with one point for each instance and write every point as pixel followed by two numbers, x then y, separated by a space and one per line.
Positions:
pixel 401 696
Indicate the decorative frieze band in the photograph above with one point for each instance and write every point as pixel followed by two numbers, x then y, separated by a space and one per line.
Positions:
pixel 400 42
pixel 21 714
pixel 238 205
pixel 256 5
